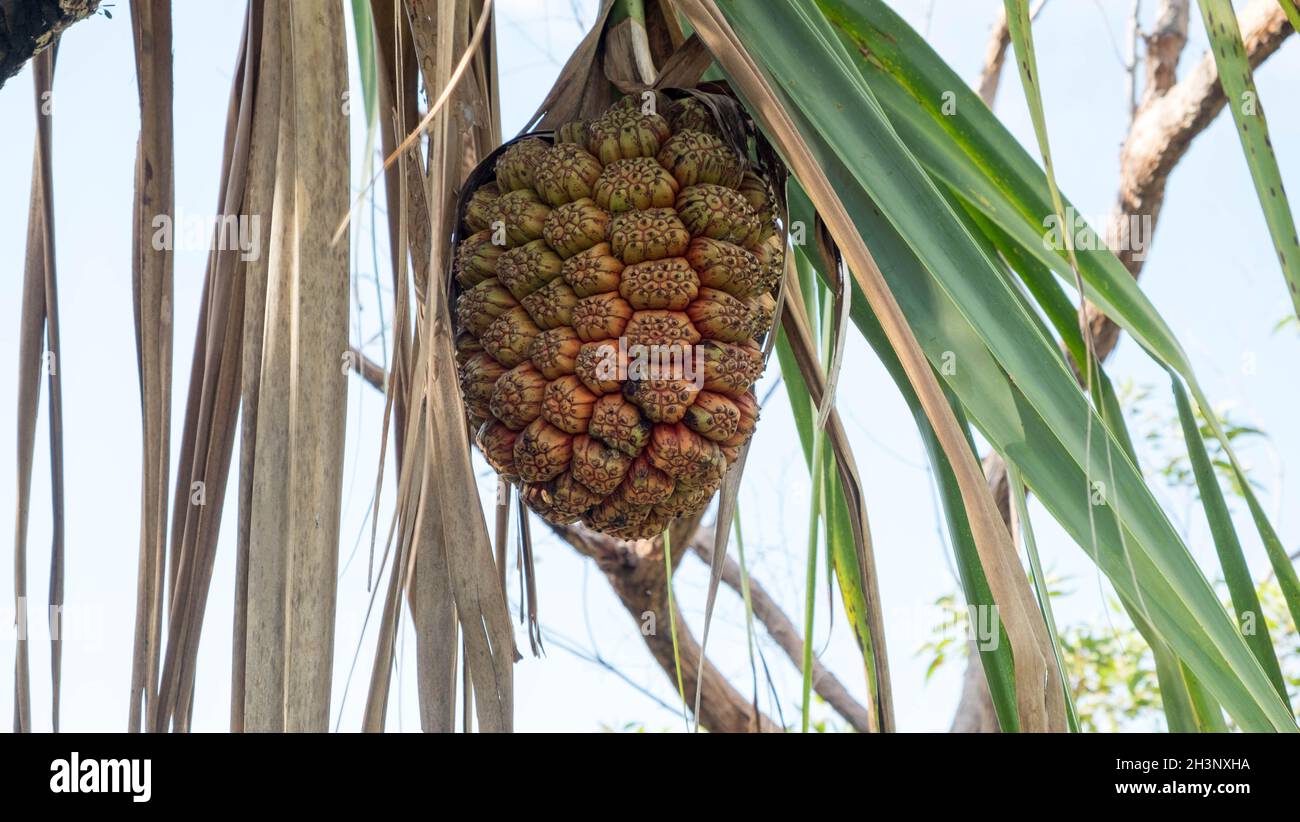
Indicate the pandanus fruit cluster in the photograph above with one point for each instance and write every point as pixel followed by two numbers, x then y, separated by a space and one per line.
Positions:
pixel 614 285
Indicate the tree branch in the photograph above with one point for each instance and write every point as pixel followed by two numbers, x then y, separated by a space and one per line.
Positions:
pixel 369 370
pixel 996 53
pixel 1170 116
pixel 28 27
pixel 786 635
pixel 637 573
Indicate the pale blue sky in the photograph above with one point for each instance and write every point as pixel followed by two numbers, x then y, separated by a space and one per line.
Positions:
pixel 1211 273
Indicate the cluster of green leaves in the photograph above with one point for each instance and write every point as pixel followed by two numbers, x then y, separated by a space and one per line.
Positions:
pixel 1108 664
pixel 1167 455
pixel 1110 667
pixel 953 210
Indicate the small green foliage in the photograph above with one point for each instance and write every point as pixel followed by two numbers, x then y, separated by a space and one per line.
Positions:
pixel 1111 672
pixel 1156 427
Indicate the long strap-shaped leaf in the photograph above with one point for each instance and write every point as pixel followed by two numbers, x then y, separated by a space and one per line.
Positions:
pixel 1183 604
pixel 972 152
pixel 433 608
pixel 480 600
pixel 848 536
pixel 152 280
pixel 1234 73
pixel 1187 705
pixel 1292 13
pixel 1019 27
pixel 1174 679
pixel 1039 706
pixel 297 477
pixel 43 73
pixel 258 200
pixel 1245 601
pixel 317 390
pixel 1037 416
pixel 995 653
pixel 488 642
pixel 977 157
pixel 210 411
pixel 40 314
pixel 30 334
pixel 1248 112
pixel 1025 528
pixel 263 708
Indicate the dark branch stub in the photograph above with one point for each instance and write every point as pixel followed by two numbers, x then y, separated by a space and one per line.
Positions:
pixel 28 27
